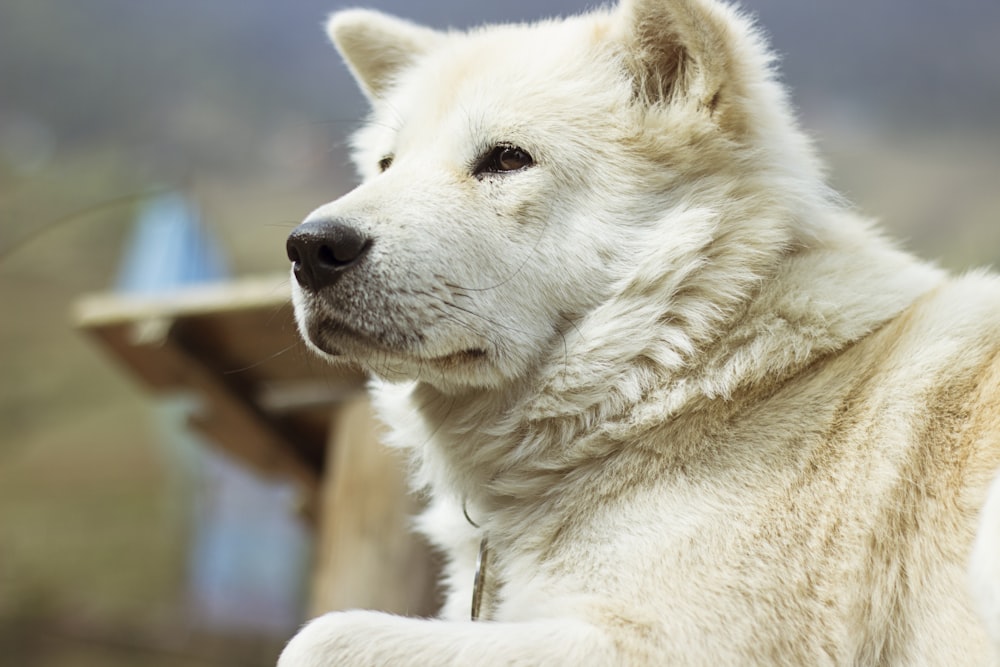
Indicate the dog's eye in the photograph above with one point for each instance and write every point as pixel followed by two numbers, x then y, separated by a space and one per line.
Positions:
pixel 502 159
pixel 385 163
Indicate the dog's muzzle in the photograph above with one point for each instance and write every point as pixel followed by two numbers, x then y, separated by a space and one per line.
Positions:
pixel 321 251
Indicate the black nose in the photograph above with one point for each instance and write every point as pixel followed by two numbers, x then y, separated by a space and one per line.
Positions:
pixel 322 250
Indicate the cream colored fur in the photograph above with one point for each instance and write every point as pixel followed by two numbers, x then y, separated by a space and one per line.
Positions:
pixel 705 413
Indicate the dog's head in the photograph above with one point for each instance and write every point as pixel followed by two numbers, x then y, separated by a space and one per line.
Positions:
pixel 517 178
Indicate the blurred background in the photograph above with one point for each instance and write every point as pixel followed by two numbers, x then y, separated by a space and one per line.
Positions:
pixel 116 547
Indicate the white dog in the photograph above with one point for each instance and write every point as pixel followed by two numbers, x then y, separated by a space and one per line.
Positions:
pixel 697 411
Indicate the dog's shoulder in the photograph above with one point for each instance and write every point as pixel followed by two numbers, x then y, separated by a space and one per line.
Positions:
pixel 952 331
pixel 946 348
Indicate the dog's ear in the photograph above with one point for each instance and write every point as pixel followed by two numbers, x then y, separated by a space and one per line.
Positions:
pixel 682 50
pixel 376 46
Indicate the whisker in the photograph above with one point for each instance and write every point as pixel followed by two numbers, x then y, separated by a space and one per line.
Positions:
pixel 284 224
pixel 516 272
pixel 472 312
pixel 263 361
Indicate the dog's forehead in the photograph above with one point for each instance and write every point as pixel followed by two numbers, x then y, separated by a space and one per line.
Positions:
pixel 505 75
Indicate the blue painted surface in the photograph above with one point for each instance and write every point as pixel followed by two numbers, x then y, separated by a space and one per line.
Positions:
pixel 169 248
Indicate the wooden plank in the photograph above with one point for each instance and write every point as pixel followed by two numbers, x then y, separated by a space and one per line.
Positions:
pixel 367 555
pixel 235 344
pixel 246 327
pixel 227 416
pixel 224 343
pixel 256 293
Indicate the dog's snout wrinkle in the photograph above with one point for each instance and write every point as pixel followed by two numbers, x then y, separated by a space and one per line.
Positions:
pixel 322 250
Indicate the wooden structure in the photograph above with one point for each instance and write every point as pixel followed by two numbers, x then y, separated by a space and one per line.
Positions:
pixel 270 403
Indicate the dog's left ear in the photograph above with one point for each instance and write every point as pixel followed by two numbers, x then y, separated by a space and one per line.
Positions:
pixel 683 51
pixel 377 47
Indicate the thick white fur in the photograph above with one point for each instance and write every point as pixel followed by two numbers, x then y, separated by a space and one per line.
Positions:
pixel 985 570
pixel 705 413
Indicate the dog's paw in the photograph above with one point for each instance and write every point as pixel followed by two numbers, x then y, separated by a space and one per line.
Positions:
pixel 305 649
pixel 337 638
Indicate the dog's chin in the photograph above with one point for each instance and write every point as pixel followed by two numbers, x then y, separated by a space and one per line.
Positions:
pixel 339 345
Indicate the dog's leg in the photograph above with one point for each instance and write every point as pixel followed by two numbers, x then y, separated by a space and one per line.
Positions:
pixel 373 639
pixel 985 563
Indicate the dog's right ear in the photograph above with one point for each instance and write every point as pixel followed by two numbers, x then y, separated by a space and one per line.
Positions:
pixel 377 47
pixel 686 50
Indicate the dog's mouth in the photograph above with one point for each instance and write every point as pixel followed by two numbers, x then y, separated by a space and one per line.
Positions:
pixel 456 359
pixel 339 339
pixel 342 341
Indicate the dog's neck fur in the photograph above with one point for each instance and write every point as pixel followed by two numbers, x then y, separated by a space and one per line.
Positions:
pixel 493 447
